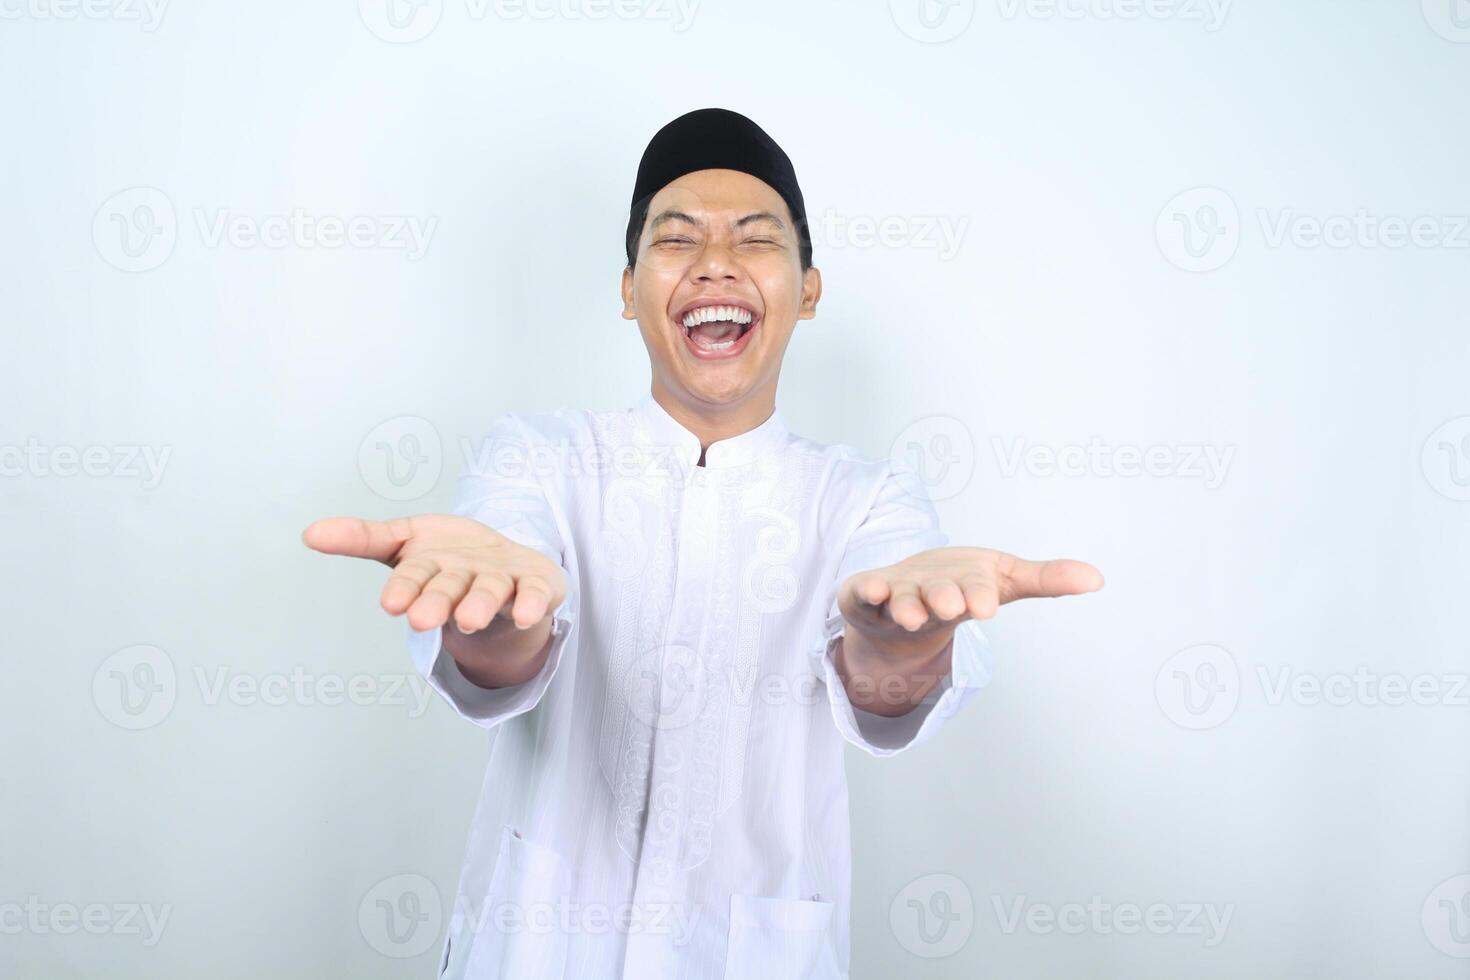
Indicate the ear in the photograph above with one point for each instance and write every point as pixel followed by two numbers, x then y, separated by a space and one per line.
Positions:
pixel 811 293
pixel 628 313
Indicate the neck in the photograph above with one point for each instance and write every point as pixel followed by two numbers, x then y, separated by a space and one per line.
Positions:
pixel 711 423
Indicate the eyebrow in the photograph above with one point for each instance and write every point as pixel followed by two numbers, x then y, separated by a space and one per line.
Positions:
pixel 760 216
pixel 673 215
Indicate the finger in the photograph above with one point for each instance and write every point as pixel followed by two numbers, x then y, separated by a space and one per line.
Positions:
pixel 905 606
pixel 404 585
pixel 1022 579
pixel 487 595
pixel 870 587
pixel 981 597
pixel 378 540
pixel 438 599
pixel 943 597
pixel 533 601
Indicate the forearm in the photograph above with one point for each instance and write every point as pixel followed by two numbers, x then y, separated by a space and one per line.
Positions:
pixel 499 655
pixel 892 676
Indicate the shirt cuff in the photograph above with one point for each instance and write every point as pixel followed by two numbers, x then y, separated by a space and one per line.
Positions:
pixel 971 665
pixel 486 707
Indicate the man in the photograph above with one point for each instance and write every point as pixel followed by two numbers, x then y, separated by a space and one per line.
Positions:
pixel 676 616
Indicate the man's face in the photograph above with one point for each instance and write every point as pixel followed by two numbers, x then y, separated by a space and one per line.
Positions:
pixel 718 287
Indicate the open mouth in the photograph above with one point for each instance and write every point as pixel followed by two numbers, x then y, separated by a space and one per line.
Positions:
pixel 717 329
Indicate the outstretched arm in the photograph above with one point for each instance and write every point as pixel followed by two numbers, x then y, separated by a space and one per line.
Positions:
pixel 901 618
pixel 500 594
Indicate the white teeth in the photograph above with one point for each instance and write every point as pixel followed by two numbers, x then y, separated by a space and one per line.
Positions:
pixel 712 314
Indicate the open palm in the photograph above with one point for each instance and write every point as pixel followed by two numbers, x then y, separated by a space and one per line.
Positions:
pixel 942 587
pixel 446 566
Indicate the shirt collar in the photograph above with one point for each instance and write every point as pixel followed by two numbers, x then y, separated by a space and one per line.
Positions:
pixel 743 448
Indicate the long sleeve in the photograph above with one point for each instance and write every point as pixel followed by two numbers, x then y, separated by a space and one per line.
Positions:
pixel 499 489
pixel 900 523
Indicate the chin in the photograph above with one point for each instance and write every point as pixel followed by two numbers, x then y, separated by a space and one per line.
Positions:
pixel 713 391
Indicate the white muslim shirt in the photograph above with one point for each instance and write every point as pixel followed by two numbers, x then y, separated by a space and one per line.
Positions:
pixel 666 798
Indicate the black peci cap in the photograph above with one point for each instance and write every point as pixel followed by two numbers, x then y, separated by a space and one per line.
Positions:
pixel 714 139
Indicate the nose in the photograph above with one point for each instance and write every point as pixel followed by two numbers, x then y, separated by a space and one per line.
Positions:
pixel 715 264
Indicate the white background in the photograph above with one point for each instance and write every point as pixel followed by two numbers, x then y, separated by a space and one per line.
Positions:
pixel 1332 378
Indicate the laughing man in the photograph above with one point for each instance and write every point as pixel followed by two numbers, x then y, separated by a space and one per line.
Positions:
pixel 676 616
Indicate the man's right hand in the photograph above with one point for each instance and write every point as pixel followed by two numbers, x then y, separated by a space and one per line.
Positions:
pixel 447 567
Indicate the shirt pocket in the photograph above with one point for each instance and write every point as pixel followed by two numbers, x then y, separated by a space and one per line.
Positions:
pixel 780 939
pixel 518 932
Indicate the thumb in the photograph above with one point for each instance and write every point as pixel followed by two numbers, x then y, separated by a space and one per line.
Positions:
pixel 1045 579
pixel 378 540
